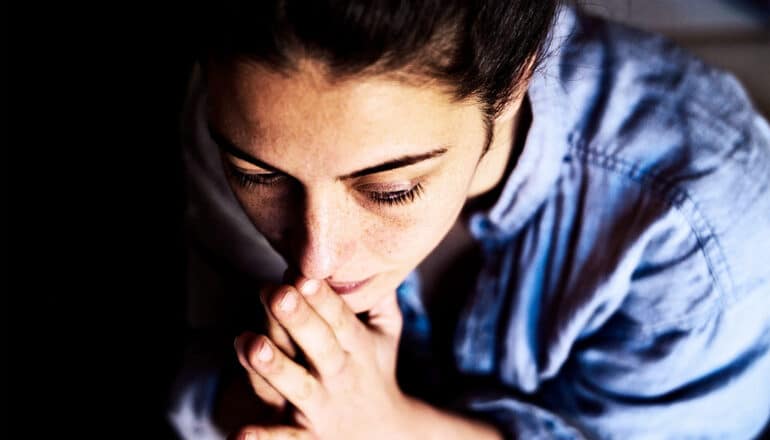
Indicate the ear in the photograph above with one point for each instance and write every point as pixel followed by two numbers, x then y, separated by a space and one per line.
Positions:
pixel 492 165
pixel 511 109
pixel 517 96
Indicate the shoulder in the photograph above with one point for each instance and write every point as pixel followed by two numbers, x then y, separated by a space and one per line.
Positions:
pixel 638 95
pixel 667 125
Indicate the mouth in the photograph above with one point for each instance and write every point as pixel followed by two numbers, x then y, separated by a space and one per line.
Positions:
pixel 343 288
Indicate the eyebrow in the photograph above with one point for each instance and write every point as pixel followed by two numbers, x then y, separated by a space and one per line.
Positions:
pixel 227 145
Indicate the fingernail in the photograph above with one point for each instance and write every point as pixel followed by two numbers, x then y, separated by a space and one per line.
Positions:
pixel 235 343
pixel 288 302
pixel 249 436
pixel 265 353
pixel 309 287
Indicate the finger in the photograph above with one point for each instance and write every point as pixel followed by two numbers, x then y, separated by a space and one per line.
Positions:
pixel 292 381
pixel 385 321
pixel 334 310
pixel 309 330
pixel 271 433
pixel 275 332
pixel 245 344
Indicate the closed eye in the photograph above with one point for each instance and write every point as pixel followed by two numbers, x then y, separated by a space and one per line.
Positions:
pixel 401 197
pixel 249 180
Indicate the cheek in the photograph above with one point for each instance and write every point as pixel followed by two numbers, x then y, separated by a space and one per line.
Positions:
pixel 386 239
pixel 405 239
pixel 267 217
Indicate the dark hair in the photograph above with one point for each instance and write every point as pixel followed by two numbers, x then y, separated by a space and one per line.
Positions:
pixel 480 49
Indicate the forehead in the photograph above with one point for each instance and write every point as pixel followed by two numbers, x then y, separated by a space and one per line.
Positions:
pixel 274 113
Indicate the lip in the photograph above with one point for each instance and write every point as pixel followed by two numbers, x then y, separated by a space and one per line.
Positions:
pixel 348 287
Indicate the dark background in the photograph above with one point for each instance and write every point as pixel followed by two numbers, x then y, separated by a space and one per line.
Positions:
pixel 94 218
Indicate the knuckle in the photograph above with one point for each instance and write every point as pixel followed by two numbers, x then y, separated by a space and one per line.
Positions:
pixel 338 321
pixel 306 388
pixel 327 346
pixel 332 357
pixel 340 365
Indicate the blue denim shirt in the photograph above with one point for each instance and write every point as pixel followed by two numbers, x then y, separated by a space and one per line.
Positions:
pixel 624 289
pixel 624 281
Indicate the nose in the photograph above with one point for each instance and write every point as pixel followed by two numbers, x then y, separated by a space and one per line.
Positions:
pixel 320 243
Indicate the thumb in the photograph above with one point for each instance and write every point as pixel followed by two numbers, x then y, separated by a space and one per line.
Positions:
pixel 385 317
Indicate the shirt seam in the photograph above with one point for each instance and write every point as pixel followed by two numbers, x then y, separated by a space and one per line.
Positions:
pixel 684 202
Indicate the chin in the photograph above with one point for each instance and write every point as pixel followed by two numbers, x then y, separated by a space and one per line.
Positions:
pixel 367 298
pixel 359 302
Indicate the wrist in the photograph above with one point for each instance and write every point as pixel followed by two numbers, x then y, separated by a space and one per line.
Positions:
pixel 426 422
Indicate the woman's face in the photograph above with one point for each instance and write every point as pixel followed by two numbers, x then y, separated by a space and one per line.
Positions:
pixel 350 182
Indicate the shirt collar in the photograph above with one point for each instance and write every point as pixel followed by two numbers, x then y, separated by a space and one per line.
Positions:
pixel 539 164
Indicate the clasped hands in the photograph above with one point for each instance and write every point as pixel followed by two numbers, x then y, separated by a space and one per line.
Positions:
pixel 348 388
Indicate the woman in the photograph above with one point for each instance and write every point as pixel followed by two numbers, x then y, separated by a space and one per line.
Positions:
pixel 499 220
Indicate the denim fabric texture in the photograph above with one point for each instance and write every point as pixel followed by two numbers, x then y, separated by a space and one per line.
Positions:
pixel 625 285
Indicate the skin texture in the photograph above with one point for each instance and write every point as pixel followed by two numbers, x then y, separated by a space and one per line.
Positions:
pixel 309 132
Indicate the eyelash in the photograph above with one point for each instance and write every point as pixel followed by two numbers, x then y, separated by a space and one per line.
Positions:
pixel 403 197
pixel 248 180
